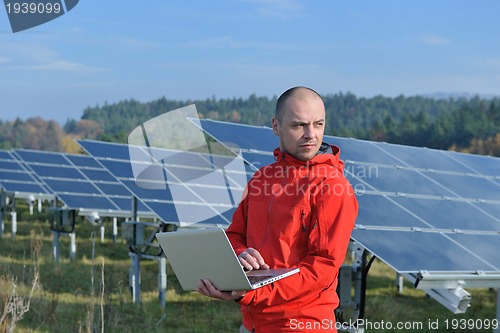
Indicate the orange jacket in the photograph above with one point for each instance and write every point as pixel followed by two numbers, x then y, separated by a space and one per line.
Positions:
pixel 296 214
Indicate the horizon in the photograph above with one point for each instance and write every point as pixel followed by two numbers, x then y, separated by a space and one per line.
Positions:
pixel 434 96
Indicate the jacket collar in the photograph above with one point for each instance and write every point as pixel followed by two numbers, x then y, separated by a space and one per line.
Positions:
pixel 327 154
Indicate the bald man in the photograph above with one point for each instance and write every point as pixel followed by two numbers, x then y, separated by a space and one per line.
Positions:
pixel 297 212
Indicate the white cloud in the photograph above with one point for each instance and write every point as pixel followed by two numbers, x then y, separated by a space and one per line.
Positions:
pixel 491 62
pixel 278 9
pixel 431 39
pixel 215 43
pixel 64 66
pixel 37 57
pixel 139 43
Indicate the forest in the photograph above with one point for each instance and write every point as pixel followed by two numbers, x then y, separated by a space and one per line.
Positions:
pixel 462 124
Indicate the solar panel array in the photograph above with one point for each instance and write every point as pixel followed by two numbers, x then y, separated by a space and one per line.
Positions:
pixel 420 209
pixel 16 179
pixel 78 181
pixel 198 200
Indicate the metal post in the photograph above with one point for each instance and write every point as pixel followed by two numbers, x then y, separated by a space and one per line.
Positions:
pixel 135 265
pixel 359 267
pixel 103 229
pixel 399 283
pixel 72 246
pixel 39 205
pixel 14 224
pixel 55 245
pixel 2 196
pixel 135 276
pixel 1 222
pixel 115 229
pixel 134 208
pixel 162 281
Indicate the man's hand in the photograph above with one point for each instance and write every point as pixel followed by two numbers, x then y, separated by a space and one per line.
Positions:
pixel 208 289
pixel 251 259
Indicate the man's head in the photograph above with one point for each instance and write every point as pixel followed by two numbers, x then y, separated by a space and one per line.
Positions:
pixel 299 122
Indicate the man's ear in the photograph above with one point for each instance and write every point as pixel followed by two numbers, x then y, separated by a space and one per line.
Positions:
pixel 275 126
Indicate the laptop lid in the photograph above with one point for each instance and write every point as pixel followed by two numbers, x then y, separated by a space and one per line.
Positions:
pixel 207 253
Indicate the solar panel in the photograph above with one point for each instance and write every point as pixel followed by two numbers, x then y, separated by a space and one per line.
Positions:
pixel 16 179
pixel 429 251
pixel 419 208
pixel 80 183
pixel 245 138
pixel 204 195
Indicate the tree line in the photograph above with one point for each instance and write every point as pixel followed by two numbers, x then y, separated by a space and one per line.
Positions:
pixel 462 124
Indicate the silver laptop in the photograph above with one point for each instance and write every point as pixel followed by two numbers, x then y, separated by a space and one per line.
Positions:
pixel 197 254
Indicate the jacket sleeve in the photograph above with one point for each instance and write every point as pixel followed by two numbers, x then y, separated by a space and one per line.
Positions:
pixel 334 212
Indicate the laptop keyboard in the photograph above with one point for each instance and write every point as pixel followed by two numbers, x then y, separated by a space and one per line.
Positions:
pixel 257 278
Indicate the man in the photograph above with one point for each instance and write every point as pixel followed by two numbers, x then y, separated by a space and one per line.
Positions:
pixel 297 212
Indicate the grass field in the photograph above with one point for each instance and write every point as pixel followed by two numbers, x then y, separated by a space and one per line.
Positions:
pixel 91 293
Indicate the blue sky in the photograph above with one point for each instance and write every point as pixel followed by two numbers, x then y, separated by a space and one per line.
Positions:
pixel 107 51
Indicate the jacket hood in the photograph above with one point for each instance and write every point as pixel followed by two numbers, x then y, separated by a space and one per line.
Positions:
pixel 327 154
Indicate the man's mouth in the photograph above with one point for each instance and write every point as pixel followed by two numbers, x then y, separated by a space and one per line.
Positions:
pixel 308 145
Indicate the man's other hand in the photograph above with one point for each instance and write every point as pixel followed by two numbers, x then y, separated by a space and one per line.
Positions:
pixel 206 288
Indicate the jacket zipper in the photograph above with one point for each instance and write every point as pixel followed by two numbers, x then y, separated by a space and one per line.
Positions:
pixel 303 229
pixel 302 220
pixel 270 205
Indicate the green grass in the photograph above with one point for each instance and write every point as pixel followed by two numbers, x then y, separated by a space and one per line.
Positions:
pixel 66 302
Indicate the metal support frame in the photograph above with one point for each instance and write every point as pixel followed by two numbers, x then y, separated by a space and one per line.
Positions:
pixel 440 280
pixel 8 201
pixel 72 245
pixel 1 223
pixel 454 282
pixel 2 208
pixel 135 276
pixel 445 288
pixel 115 229
pixel 134 233
pixel 13 215
pixel 102 230
pixel 349 275
pixel 55 245
pixel 63 223
pixel 162 281
pixel 399 283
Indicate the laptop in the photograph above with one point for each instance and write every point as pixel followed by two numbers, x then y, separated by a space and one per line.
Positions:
pixel 197 254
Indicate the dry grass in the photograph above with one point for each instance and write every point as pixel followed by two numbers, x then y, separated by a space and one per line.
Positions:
pixel 91 293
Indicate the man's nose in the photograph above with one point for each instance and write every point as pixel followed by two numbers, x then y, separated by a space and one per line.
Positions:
pixel 309 132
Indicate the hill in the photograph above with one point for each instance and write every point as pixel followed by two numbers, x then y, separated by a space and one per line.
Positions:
pixel 465 124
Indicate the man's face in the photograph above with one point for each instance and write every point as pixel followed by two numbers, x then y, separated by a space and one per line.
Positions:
pixel 301 127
